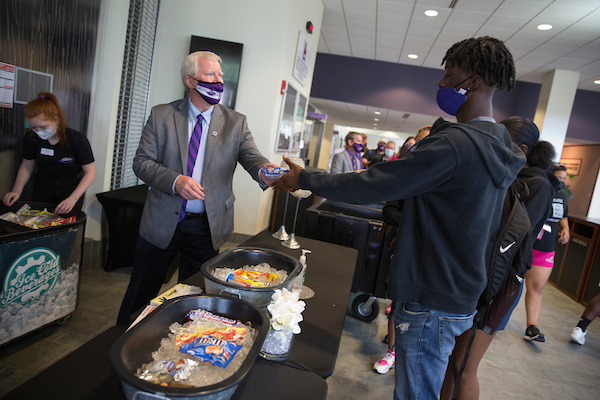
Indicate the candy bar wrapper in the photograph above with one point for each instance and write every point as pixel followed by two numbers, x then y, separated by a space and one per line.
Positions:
pixel 200 314
pixel 232 334
pixel 211 350
pixel 252 278
pixel 170 371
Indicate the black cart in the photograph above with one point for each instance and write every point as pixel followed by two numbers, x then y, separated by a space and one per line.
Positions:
pixel 359 227
pixel 39 272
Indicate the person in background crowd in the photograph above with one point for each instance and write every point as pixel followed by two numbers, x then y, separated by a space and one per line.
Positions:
pixel 541 184
pixel 365 154
pixel 63 156
pixel 591 312
pixel 371 154
pixel 406 146
pixel 388 155
pixel 422 134
pixel 543 256
pixel 187 155
pixel 454 185
pixel 348 160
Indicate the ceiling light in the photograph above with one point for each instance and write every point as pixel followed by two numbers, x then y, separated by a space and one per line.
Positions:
pixel 597 81
pixel 431 13
pixel 544 27
pixel 376 119
pixel 377 113
pixel 413 56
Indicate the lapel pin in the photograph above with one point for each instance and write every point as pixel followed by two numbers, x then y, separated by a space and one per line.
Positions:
pixel 214 133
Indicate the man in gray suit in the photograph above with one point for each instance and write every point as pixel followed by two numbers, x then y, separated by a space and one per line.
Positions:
pixel 187 155
pixel 350 159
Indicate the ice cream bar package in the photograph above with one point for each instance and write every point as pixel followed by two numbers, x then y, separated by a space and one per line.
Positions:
pixel 211 350
pixel 275 172
pixel 252 278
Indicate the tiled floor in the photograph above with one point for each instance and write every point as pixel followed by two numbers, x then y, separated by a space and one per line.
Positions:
pixel 512 368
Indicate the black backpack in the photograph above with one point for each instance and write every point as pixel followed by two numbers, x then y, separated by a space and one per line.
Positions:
pixel 511 258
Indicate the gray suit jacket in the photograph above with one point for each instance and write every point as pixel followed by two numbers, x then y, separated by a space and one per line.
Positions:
pixel 162 156
pixel 341 163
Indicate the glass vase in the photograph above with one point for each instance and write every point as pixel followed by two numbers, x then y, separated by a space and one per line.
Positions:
pixel 277 345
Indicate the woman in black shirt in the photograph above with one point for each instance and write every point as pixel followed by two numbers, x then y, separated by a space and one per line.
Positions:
pixel 65 163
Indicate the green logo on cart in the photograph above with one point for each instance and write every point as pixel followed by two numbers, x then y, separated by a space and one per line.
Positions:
pixel 30 276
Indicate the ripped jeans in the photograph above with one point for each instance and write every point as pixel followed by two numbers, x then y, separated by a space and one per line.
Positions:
pixel 425 339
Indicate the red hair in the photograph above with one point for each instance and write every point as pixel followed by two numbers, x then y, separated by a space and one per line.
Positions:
pixel 46 105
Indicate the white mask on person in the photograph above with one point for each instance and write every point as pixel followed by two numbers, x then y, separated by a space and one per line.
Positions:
pixel 389 153
pixel 45 134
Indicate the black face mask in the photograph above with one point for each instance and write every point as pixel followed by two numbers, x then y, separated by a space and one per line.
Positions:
pixel 561 186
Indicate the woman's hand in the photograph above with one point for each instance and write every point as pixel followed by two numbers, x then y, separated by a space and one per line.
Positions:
pixel 65 206
pixel 10 198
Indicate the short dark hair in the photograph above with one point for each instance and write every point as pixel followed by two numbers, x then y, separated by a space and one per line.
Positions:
pixel 351 136
pixel 485 56
pixel 559 167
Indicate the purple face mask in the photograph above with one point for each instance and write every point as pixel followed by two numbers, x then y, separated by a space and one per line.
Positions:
pixel 357 147
pixel 381 147
pixel 449 99
pixel 210 92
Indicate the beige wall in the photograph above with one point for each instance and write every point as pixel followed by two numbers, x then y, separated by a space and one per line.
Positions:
pixel 584 183
pixel 269 54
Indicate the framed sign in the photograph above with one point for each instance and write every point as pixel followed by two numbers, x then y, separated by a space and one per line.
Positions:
pixel 573 165
pixel 299 122
pixel 286 119
pixel 291 120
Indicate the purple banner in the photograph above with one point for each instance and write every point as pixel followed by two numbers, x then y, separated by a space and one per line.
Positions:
pixel 315 115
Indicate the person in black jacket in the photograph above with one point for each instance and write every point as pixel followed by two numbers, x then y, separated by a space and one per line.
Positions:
pixel 453 185
pixel 63 156
pixel 541 184
pixel 543 256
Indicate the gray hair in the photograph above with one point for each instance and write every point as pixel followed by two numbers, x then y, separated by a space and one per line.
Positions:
pixel 190 64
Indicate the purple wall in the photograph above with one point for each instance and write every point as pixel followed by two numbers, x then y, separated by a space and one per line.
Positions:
pixel 413 89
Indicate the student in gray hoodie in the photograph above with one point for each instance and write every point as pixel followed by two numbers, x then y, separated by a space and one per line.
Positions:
pixel 453 186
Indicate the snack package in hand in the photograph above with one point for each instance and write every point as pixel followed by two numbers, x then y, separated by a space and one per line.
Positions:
pixel 274 172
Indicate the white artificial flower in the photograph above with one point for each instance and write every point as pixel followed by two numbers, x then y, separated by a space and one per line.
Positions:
pixel 286 311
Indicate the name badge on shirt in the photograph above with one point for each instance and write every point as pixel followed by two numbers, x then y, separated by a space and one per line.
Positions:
pixel 47 152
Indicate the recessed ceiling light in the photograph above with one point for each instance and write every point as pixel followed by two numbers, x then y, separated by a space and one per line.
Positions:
pixel 431 13
pixel 597 81
pixel 376 119
pixel 413 56
pixel 377 112
pixel 544 27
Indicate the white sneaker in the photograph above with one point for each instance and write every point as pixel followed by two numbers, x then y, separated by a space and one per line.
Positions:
pixel 383 366
pixel 578 336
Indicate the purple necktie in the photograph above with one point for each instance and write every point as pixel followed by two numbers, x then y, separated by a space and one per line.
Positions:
pixel 192 154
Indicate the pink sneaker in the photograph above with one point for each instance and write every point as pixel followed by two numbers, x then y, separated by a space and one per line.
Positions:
pixel 383 366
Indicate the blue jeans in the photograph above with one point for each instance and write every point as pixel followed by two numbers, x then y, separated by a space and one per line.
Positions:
pixel 425 339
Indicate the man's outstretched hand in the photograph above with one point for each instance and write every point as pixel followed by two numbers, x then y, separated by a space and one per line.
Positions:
pixel 289 181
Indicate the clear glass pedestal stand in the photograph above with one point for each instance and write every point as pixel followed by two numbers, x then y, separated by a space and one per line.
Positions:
pixel 281 234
